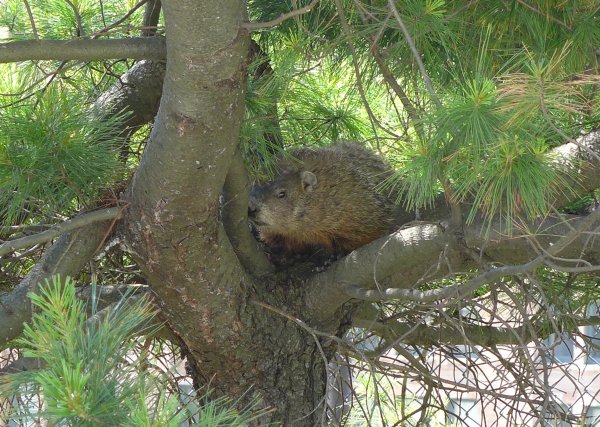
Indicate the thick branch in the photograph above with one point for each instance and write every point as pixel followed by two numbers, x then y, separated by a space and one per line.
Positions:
pixel 235 219
pixel 57 230
pixel 409 257
pixel 462 290
pixel 66 257
pixel 174 227
pixel 138 92
pixel 405 258
pixel 83 49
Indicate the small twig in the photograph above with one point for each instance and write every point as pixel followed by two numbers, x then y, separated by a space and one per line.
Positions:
pixel 417 56
pixel 545 15
pixel 347 31
pixel 25 229
pixel 274 22
pixel 105 30
pixel 102 13
pixel 111 227
pixel 390 79
pixel 53 76
pixel 80 32
pixel 57 230
pixel 33 27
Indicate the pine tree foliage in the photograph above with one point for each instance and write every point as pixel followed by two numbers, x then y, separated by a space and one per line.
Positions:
pixel 93 373
pixel 498 99
pixel 57 19
pixel 85 382
pixel 506 77
pixel 55 153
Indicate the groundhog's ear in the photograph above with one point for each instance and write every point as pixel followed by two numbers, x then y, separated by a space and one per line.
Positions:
pixel 309 181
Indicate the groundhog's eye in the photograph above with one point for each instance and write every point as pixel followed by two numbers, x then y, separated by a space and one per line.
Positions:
pixel 281 194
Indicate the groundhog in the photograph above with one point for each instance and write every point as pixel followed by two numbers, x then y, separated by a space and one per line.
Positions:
pixel 329 197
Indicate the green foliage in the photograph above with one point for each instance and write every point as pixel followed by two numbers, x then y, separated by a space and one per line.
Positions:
pixel 93 373
pixel 324 107
pixel 85 381
pixel 513 81
pixel 55 153
pixel 57 19
pixel 514 179
pixel 417 176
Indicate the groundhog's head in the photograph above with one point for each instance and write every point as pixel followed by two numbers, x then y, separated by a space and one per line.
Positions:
pixel 279 206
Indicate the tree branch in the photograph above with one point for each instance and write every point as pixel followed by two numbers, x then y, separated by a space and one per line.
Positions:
pixel 58 229
pixel 138 91
pixel 460 291
pixel 83 49
pixel 415 52
pixel 410 256
pixel 274 22
pixel 235 219
pixel 66 257
pixel 481 335
pixel 423 335
pixel 151 18
pixel 390 79
pixel 174 228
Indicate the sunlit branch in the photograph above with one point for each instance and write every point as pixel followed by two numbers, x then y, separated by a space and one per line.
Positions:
pixel 57 230
pixel 83 49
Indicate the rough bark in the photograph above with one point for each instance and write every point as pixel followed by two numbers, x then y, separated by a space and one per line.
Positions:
pixel 137 92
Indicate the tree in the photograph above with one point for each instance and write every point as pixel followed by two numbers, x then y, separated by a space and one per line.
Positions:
pixel 478 104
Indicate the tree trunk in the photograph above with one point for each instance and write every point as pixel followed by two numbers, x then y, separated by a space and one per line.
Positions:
pixel 235 342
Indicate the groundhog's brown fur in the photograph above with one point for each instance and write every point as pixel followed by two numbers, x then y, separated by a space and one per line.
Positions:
pixel 328 197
